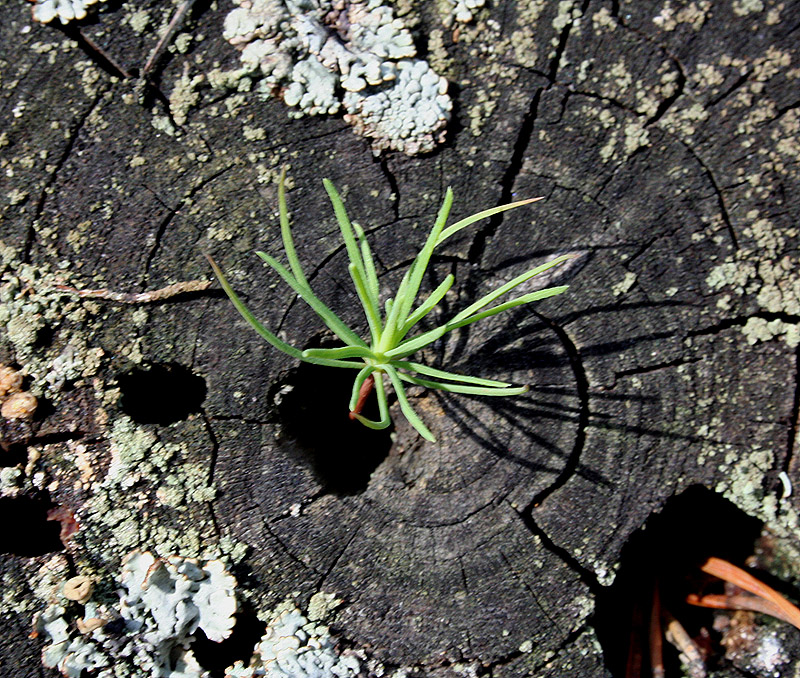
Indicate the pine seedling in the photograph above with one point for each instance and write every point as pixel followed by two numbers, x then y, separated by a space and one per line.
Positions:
pixel 391 342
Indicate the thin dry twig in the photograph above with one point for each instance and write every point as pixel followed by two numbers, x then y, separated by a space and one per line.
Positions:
pixel 161 45
pixel 102 54
pixel 633 664
pixel 690 652
pixel 656 645
pixel 139 297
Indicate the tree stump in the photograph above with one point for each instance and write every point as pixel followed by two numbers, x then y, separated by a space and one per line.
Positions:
pixel 664 138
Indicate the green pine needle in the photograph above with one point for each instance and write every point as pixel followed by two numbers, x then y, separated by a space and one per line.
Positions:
pixel 389 324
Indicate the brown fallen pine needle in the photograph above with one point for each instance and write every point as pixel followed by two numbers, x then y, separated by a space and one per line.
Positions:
pixel 656 645
pixel 744 580
pixel 741 601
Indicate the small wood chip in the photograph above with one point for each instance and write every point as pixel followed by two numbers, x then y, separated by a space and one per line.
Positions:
pixel 19 406
pixel 89 625
pixel 78 588
pixel 10 380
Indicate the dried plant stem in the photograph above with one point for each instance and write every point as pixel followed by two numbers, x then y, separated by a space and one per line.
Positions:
pixel 677 635
pixel 139 297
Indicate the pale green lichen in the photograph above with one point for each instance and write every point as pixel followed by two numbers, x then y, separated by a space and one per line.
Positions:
pixel 745 7
pixel 162 603
pixel 759 329
pixel 29 304
pixel 254 133
pixel 65 11
pixel 438 56
pixel 767 271
pixel 184 97
pixel 183 42
pixel 743 484
pixel 624 285
pixel 321 605
pixel 145 474
pixel 16 196
pixel 139 21
pixel 10 478
pixel 355 57
pixel 636 137
pixel 694 14
pixel 523 38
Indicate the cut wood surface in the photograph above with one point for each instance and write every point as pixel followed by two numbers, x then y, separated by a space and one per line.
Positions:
pixel 665 139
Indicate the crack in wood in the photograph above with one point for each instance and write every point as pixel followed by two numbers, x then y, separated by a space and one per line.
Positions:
pixel 383 163
pixel 173 212
pixel 794 421
pixel 521 144
pixel 582 388
pixel 511 657
pixel 571 91
pixel 286 549
pixel 303 504
pixel 782 111
pixel 319 586
pixel 741 80
pixel 646 369
pixel 238 418
pixel 667 102
pixel 72 138
pixel 214 444
pixel 528 588
pixel 586 576
pixel 717 190
pixel 741 321
pixel 478 246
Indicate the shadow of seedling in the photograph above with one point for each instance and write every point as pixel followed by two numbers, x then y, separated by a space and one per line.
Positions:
pixel 529 342
pixel 341 452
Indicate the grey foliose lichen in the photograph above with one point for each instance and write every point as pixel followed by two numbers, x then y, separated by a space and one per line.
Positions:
pixel 402 116
pixel 44 11
pixel 150 631
pixel 294 647
pixel 327 56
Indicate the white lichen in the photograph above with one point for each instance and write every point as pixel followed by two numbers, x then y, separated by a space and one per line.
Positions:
pixel 463 11
pixel 409 117
pixel 294 647
pixel 44 11
pixel 162 604
pixel 324 57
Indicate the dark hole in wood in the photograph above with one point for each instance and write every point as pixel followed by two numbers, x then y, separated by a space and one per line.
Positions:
pixel 13 454
pixel 216 657
pixel 342 453
pixel 27 531
pixel 161 394
pixel 692 527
